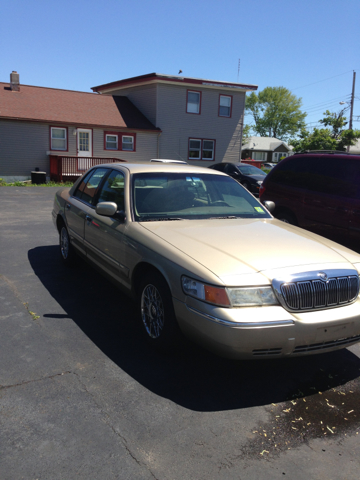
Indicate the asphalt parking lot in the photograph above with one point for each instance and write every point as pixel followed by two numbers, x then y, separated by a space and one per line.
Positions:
pixel 82 396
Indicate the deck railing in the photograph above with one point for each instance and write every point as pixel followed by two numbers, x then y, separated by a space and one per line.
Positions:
pixel 70 168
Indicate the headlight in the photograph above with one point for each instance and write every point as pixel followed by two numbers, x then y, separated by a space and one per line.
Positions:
pixel 207 293
pixel 229 297
pixel 250 296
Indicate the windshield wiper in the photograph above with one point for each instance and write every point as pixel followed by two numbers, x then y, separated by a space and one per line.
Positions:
pixel 228 216
pixel 160 219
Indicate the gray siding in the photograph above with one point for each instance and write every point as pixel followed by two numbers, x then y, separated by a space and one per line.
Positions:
pixel 23 147
pixel 144 98
pixel 178 126
pixel 146 147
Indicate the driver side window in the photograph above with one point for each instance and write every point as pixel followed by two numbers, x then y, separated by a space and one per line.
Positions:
pixel 113 190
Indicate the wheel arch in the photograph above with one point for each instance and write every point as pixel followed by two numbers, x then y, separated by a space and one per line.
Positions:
pixel 60 221
pixel 285 210
pixel 142 269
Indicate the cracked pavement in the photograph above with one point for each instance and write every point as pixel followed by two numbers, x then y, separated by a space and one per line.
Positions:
pixel 82 396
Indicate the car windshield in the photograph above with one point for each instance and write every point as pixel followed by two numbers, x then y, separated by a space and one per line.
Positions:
pixel 251 170
pixel 179 196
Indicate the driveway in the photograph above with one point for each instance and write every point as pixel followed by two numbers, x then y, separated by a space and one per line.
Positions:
pixel 82 396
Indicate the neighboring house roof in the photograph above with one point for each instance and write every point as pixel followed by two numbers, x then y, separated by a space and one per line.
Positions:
pixel 175 79
pixel 50 105
pixel 264 144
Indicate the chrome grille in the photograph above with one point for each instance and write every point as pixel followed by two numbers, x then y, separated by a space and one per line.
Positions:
pixel 309 292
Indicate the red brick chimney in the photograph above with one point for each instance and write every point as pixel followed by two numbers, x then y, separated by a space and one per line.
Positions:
pixel 14 81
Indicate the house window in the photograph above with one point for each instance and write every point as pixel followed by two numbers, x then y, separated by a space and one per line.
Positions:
pixel 201 149
pixel 193 102
pixel 128 142
pixel 259 156
pixel 278 155
pixel 119 141
pixel 195 149
pixel 111 142
pixel 225 102
pixel 58 138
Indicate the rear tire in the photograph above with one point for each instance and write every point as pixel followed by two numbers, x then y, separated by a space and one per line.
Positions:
pixel 66 249
pixel 156 311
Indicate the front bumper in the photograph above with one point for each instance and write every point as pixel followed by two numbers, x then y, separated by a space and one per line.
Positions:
pixel 258 332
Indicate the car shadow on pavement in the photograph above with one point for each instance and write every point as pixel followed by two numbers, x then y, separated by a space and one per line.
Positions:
pixel 193 377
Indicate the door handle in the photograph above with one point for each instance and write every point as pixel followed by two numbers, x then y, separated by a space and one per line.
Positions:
pixel 68 206
pixel 88 218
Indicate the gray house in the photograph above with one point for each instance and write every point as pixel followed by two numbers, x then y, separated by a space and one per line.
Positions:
pixel 64 131
pixel 201 120
pixel 136 119
pixel 265 149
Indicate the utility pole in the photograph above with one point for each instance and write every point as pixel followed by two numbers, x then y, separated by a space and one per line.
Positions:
pixel 351 107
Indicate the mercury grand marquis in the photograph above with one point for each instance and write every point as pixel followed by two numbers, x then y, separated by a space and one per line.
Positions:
pixel 202 257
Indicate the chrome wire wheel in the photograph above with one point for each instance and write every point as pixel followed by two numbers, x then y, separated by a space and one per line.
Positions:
pixel 152 311
pixel 64 243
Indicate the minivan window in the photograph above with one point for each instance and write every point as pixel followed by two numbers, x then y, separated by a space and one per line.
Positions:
pixel 296 172
pixel 333 177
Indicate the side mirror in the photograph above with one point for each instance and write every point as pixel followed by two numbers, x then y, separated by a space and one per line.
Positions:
pixel 107 209
pixel 269 205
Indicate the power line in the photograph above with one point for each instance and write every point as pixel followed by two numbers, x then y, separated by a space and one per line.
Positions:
pixel 325 79
pixel 320 104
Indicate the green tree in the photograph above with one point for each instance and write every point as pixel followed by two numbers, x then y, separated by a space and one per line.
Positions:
pixel 276 112
pixel 334 138
pixel 246 133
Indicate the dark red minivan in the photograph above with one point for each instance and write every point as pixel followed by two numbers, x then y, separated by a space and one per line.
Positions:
pixel 319 192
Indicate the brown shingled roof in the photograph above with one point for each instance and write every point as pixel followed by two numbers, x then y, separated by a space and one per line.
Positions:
pixel 69 107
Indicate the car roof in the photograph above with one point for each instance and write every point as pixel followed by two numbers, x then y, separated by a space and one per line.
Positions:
pixel 326 154
pixel 167 160
pixel 156 167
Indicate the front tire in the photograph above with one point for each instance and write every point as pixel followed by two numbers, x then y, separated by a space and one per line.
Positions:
pixel 287 217
pixel 157 312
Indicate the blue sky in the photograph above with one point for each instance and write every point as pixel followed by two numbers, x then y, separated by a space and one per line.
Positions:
pixel 309 47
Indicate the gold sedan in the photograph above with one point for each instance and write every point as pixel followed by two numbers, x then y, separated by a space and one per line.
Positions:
pixel 202 257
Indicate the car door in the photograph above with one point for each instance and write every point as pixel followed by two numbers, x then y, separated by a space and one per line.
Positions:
pixel 80 204
pixel 105 238
pixel 353 199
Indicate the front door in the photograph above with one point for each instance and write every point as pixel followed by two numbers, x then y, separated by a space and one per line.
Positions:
pixel 105 238
pixel 84 142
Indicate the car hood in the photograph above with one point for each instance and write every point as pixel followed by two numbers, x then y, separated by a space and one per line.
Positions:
pixel 233 247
